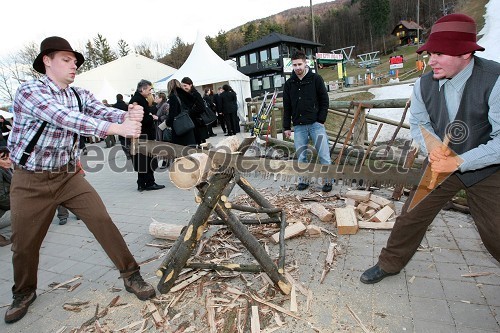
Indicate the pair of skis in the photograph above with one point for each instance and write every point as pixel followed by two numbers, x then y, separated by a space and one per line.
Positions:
pixel 263 115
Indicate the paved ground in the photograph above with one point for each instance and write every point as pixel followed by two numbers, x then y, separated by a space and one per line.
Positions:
pixel 429 295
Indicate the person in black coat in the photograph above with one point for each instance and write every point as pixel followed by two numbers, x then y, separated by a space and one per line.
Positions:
pixel 209 100
pixel 229 103
pixel 176 93
pixel 196 107
pixel 120 104
pixel 143 164
pixel 218 109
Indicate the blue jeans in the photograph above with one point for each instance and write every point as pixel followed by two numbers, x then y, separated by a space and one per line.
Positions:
pixel 317 133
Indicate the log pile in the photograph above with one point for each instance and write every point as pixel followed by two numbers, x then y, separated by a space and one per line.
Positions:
pixel 364 210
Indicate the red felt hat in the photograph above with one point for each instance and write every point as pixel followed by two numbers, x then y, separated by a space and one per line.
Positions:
pixel 52 44
pixel 454 35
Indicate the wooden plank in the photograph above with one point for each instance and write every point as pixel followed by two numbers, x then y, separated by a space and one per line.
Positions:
pixel 254 320
pixel 376 225
pixel 347 223
pixel 291 230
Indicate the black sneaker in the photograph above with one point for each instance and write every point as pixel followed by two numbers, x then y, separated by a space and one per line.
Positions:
pixel 19 307
pixel 154 187
pixel 135 284
pixel 302 186
pixel 63 221
pixel 327 187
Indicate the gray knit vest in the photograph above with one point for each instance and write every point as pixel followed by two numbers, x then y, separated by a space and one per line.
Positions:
pixel 471 126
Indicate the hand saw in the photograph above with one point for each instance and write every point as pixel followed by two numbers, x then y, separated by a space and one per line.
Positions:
pixel 378 174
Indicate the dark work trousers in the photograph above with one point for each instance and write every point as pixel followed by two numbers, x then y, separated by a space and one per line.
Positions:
pixel 410 227
pixel 34 198
pixel 145 167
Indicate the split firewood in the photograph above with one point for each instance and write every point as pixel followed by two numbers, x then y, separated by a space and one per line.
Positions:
pixel 313 231
pixel 369 213
pixel 350 202
pixel 380 200
pixel 320 211
pixel 373 205
pixel 303 290
pixel 347 223
pixel 383 215
pixel 165 230
pixel 328 261
pixel 358 195
pixel 292 230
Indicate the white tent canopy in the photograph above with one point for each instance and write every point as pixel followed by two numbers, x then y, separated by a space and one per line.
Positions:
pixel 121 76
pixel 206 68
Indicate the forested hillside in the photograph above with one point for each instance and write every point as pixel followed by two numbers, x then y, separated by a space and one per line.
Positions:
pixel 367 24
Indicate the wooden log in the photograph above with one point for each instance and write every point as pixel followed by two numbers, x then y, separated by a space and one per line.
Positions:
pixel 350 202
pixel 188 171
pixel 382 215
pixel 229 144
pixel 320 211
pixel 358 195
pixel 291 230
pixel 165 230
pixel 373 205
pixel 369 213
pixel 375 225
pixel 347 223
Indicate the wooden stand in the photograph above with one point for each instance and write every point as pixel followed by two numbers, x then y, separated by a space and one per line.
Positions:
pixel 213 195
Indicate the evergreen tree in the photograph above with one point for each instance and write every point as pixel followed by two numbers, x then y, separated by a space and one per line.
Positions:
pixel 103 50
pixel 91 58
pixel 123 48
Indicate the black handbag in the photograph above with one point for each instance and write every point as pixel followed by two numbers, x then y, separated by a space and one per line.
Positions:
pixel 182 122
pixel 208 116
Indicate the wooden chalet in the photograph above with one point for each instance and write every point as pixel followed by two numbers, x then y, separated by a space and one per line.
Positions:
pixel 268 63
pixel 406 31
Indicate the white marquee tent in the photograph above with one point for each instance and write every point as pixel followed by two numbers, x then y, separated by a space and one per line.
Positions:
pixel 207 69
pixel 121 76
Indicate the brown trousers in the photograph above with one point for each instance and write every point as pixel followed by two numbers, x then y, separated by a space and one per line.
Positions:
pixel 34 198
pixel 410 227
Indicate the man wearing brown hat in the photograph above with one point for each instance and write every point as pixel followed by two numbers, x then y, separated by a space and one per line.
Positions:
pixel 460 98
pixel 49 117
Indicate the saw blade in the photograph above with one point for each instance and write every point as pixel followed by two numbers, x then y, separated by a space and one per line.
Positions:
pixel 377 173
pixel 430 180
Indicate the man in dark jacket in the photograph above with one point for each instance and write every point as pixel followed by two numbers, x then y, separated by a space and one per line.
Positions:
pixel 143 164
pixel 305 103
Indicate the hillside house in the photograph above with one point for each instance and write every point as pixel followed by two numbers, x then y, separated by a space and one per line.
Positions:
pixel 406 32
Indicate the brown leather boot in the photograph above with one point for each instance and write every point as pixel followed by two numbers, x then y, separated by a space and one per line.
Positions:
pixel 4 241
pixel 136 284
pixel 19 307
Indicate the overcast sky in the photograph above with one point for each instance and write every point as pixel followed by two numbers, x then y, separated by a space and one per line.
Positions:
pixel 134 21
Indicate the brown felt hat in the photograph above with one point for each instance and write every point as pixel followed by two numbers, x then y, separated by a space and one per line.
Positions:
pixel 454 35
pixel 52 44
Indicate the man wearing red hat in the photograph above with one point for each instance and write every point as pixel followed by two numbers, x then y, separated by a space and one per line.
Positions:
pixel 49 117
pixel 460 98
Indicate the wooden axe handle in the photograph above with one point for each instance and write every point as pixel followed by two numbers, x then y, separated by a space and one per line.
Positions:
pixel 432 183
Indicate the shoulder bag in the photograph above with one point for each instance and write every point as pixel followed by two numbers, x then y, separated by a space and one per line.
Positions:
pixel 182 122
pixel 208 116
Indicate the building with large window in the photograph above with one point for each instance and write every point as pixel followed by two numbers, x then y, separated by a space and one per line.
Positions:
pixel 268 63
